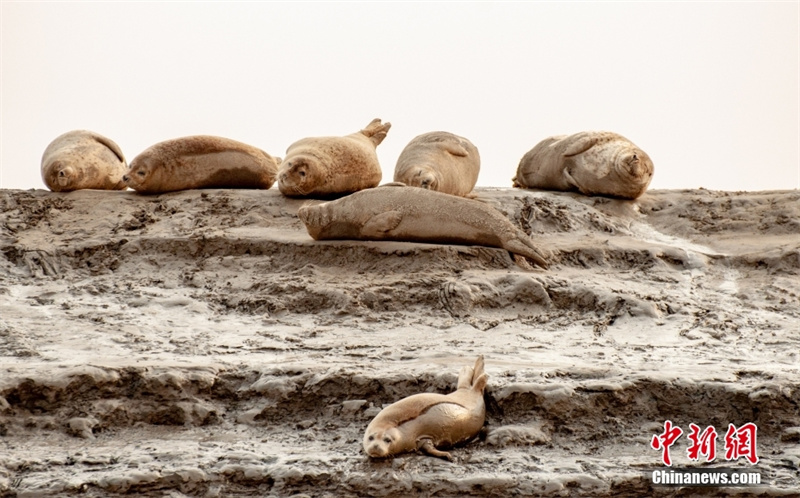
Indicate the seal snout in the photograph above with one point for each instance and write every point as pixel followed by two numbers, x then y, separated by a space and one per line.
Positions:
pixel 377 446
pixel 64 175
pixel 377 450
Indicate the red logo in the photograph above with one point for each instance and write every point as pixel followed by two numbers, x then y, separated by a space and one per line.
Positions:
pixel 665 440
pixel 739 442
pixel 704 444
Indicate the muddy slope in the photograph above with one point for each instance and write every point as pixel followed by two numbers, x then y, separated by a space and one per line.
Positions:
pixel 200 343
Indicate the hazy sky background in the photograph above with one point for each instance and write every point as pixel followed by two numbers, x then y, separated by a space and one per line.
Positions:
pixel 709 90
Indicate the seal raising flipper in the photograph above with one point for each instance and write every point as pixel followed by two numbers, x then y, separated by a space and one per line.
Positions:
pixel 417 215
pixel 427 422
pixel 333 166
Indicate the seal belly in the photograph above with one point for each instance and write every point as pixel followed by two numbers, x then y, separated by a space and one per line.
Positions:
pixel 446 424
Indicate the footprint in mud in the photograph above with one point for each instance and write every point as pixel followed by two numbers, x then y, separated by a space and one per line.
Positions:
pixel 456 297
pixel 516 435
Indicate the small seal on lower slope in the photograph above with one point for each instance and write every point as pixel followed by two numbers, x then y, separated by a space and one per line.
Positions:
pixel 400 213
pixel 592 163
pixel 439 161
pixel 329 166
pixel 201 161
pixel 82 159
pixel 430 421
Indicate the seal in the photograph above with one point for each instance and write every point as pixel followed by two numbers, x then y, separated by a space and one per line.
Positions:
pixel 439 161
pixel 331 166
pixel 400 213
pixel 592 163
pixel 201 161
pixel 430 421
pixel 82 159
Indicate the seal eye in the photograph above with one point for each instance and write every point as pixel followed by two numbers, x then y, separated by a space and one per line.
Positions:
pixel 140 173
pixel 387 440
pixel 302 173
pixel 371 437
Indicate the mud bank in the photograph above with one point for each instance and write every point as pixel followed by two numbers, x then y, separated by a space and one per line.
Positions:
pixel 200 343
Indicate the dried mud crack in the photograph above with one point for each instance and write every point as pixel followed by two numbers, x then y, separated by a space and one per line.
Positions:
pixel 201 344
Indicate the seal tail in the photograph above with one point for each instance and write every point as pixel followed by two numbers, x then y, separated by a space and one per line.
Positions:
pixel 376 131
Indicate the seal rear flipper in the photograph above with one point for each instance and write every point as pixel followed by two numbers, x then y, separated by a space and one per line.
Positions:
pixel 479 384
pixel 465 377
pixel 426 446
pixel 376 131
pixel 379 224
pixel 477 370
pixel 528 250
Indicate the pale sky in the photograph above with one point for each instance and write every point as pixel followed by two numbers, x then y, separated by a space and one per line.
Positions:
pixel 709 90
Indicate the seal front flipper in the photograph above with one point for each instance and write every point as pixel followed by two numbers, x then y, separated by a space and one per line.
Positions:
pixel 572 182
pixel 426 446
pixel 456 149
pixel 579 143
pixel 111 145
pixel 379 224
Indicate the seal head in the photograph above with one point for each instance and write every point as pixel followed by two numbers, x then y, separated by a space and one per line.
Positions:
pixel 299 176
pixel 423 176
pixel 82 159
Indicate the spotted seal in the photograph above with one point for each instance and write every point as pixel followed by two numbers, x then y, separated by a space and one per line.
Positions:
pixel 439 161
pixel 400 213
pixel 430 421
pixel 592 163
pixel 201 161
pixel 330 166
pixel 82 159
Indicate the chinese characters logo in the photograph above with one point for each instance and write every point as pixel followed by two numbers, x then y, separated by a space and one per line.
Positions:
pixel 739 442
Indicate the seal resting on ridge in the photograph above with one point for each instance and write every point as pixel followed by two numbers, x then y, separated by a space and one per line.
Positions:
pixel 200 161
pixel 82 159
pixel 590 162
pixel 400 213
pixel 430 421
pixel 331 166
pixel 439 161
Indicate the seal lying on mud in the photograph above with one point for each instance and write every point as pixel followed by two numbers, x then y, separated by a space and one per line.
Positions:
pixel 592 163
pixel 201 161
pixel 429 421
pixel 400 213
pixel 326 166
pixel 82 159
pixel 439 161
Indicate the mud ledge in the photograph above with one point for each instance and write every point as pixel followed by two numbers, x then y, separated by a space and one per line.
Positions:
pixel 201 343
